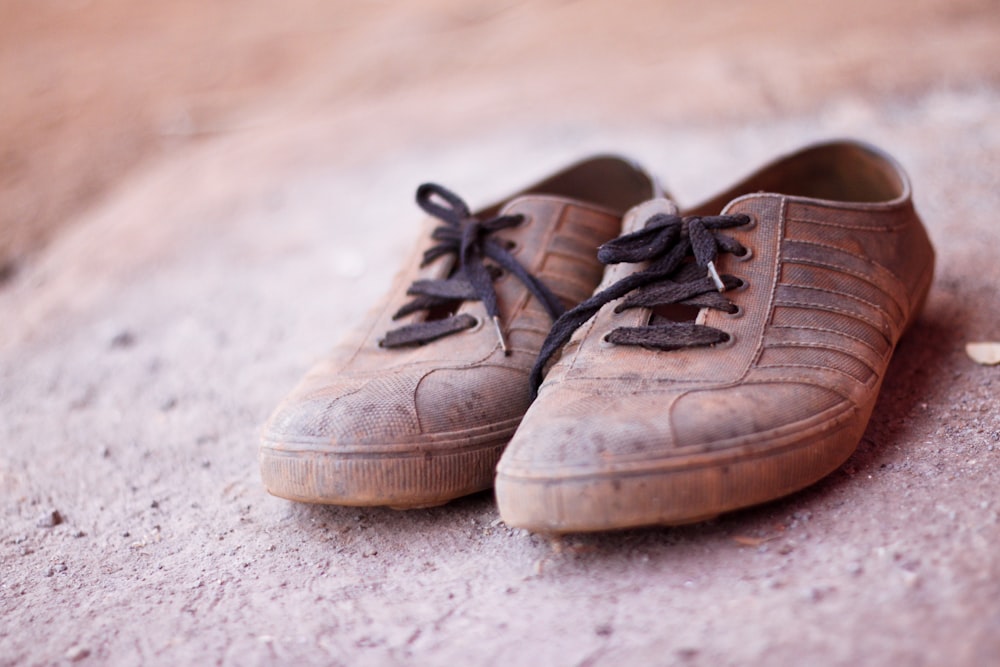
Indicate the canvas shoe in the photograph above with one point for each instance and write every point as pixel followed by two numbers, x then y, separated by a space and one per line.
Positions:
pixel 732 354
pixel 414 407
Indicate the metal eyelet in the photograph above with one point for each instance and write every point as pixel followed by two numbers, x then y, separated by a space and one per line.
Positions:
pixel 736 313
pixel 742 287
pixel 476 326
pixel 729 341
pixel 745 257
pixel 752 223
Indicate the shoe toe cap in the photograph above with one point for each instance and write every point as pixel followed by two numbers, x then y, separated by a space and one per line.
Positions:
pixel 570 429
pixel 347 411
pixel 483 398
pixel 402 407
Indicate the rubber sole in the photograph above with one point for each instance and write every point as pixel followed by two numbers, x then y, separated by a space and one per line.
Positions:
pixel 409 481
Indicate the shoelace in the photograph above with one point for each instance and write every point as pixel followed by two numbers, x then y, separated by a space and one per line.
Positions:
pixel 666 242
pixel 469 239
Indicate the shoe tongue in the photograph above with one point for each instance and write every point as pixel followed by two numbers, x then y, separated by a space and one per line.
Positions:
pixel 635 219
pixel 639 215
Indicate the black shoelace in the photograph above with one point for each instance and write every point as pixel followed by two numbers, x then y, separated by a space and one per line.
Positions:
pixel 469 239
pixel 666 242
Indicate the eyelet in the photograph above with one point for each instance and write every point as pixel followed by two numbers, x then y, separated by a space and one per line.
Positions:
pixel 742 287
pixel 745 257
pixel 752 222
pixel 729 341
pixel 496 271
pixel 605 343
pixel 735 314
pixel 475 327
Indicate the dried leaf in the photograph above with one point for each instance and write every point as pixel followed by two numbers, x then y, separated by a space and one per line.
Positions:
pixel 987 354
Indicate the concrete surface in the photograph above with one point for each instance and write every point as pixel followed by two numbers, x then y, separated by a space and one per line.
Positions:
pixel 143 345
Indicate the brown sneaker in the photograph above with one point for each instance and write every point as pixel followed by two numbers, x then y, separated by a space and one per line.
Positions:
pixel 414 408
pixel 729 359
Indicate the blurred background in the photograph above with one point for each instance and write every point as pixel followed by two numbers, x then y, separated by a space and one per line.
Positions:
pixel 90 89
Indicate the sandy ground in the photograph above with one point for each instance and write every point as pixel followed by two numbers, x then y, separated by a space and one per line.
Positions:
pixel 198 201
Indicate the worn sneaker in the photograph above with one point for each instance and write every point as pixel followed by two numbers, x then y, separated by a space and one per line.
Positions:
pixel 732 355
pixel 414 408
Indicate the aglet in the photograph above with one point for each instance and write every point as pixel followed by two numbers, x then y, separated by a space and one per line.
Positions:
pixel 500 336
pixel 714 275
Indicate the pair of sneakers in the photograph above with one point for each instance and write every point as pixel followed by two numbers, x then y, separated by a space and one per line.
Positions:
pixel 608 361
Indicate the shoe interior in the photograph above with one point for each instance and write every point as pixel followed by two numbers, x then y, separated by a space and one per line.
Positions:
pixel 841 172
pixel 606 181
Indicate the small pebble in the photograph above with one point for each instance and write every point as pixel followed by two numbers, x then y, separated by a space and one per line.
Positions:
pixel 49 519
pixel 123 339
pixel 813 594
pixel 687 653
pixel 77 653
